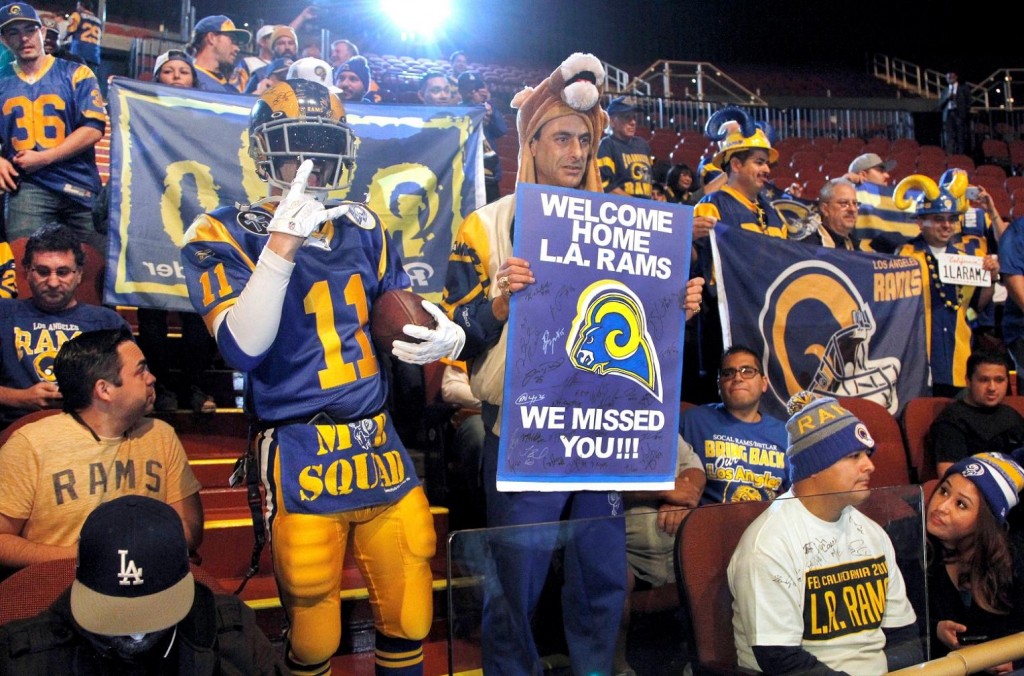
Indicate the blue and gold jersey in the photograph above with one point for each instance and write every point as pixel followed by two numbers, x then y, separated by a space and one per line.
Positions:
pixel 8 285
pixel 322 359
pixel 85 30
pixel 625 165
pixel 40 112
pixel 214 82
pixel 30 339
pixel 945 312
pixel 732 209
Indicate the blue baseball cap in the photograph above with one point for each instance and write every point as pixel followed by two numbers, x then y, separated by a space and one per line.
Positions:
pixel 280 66
pixel 621 106
pixel 18 11
pixel 222 24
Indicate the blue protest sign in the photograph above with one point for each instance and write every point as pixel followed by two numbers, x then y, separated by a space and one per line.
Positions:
pixel 591 396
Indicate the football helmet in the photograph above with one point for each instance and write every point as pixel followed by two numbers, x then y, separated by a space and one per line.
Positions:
pixel 299 120
pixel 817 333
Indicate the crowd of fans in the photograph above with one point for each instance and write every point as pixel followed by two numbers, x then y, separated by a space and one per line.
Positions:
pixel 107 386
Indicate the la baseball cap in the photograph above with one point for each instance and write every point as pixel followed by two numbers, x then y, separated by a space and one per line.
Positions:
pixel 18 11
pixel 280 66
pixel 132 575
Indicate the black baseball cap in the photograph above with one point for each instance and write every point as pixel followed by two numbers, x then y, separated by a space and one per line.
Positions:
pixel 132 575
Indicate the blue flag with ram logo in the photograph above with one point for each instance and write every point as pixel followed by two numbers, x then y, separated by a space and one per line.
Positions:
pixel 840 323
pixel 177 153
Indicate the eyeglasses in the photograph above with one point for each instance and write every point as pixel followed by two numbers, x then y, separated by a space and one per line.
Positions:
pixel 746 372
pixel 62 273
pixel 846 204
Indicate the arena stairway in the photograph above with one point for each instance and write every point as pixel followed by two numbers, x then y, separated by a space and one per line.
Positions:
pixel 212 443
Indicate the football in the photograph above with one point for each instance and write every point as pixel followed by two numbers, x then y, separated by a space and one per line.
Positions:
pixel 393 310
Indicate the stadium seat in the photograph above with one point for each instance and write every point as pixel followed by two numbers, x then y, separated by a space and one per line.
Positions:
pixel 995 151
pixel 931 152
pixel 1017 154
pixel 812 184
pixel 880 146
pixel 1001 198
pixel 6 433
pixel 1017 402
pixel 960 162
pixel 990 170
pixel 704 544
pixel 854 145
pixel 918 416
pixel 931 168
pixel 902 143
pixel 1013 183
pixel 890 456
pixel 990 183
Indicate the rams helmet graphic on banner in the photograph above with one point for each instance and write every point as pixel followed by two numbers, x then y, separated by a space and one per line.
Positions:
pixel 817 333
pixel 609 336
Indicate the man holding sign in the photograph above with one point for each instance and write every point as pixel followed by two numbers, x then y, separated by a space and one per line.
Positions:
pixel 558 123
pixel 950 275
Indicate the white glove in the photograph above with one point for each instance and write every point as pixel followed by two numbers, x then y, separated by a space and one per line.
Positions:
pixel 299 214
pixel 444 341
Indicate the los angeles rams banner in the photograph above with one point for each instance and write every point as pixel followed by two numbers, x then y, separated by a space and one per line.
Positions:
pixel 841 323
pixel 591 396
pixel 176 153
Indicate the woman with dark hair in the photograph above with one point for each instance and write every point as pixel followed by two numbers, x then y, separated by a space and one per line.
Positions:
pixel 680 185
pixel 975 581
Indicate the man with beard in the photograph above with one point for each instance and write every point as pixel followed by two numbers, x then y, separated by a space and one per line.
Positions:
pixel 215 46
pixel 60 468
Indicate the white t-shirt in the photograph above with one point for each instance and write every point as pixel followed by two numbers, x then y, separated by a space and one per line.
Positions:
pixel 828 587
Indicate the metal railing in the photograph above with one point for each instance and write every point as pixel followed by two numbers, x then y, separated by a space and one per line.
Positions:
pixel 803 121
pixel 619 81
pixel 693 81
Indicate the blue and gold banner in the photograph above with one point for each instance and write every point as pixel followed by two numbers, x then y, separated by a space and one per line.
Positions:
pixel 591 391
pixel 880 222
pixel 841 323
pixel 177 153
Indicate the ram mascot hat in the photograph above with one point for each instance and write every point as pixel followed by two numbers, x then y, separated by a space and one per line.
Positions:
pixel 574 88
pixel 947 197
pixel 735 130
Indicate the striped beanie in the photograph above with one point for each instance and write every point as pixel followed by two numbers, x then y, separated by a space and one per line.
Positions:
pixel 998 477
pixel 820 434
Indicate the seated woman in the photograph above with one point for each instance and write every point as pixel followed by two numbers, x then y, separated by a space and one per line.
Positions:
pixel 975 571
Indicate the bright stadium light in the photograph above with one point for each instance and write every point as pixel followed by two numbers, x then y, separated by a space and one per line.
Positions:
pixel 417 18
